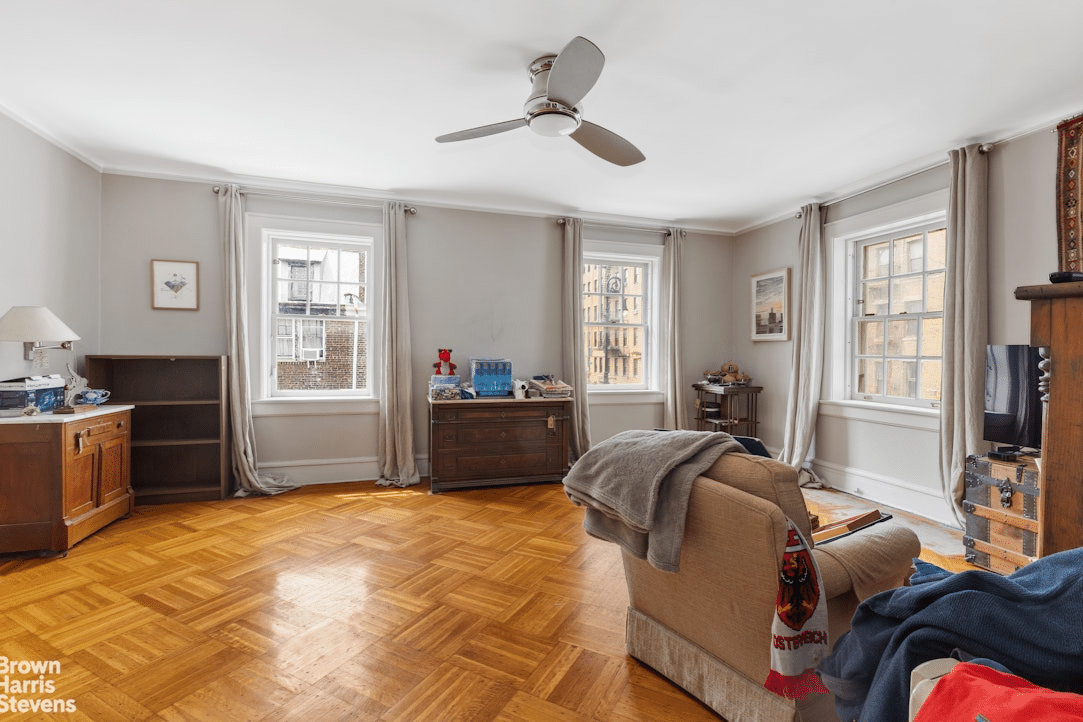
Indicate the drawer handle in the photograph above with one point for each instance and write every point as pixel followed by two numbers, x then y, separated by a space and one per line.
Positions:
pixel 503 435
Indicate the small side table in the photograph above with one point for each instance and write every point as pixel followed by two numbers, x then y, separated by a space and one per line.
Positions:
pixel 727 408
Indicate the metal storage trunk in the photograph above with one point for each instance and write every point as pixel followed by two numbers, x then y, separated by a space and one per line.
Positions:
pixel 1001 505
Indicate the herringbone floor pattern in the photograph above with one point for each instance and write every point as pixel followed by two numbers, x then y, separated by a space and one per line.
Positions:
pixel 342 602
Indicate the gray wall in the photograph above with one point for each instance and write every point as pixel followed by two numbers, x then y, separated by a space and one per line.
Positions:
pixel 482 284
pixel 50 235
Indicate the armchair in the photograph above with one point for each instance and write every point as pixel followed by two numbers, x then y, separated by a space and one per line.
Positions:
pixel 708 627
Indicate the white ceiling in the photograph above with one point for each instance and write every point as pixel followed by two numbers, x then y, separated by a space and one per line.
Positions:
pixel 745 109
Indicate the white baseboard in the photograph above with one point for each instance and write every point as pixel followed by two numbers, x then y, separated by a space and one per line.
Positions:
pixel 889 491
pixel 304 472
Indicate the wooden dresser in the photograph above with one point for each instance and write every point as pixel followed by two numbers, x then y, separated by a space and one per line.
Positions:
pixel 490 442
pixel 1056 328
pixel 63 477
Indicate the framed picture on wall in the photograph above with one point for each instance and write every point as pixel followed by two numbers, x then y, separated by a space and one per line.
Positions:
pixel 174 285
pixel 771 306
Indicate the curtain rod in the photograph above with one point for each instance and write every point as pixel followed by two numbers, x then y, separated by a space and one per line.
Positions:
pixel 983 149
pixel 336 200
pixel 625 226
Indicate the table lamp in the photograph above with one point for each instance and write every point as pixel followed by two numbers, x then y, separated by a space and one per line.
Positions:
pixel 34 325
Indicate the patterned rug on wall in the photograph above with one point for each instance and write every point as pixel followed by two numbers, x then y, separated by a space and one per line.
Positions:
pixel 1069 197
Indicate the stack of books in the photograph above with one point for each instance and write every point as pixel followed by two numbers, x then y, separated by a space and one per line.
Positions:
pixel 551 388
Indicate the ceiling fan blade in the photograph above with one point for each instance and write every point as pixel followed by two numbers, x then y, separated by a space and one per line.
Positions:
pixel 607 145
pixel 482 131
pixel 575 71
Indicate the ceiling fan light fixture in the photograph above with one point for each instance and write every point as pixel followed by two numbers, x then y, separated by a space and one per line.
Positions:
pixel 553 123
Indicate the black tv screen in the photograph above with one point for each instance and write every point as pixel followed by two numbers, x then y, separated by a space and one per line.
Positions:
pixel 1013 405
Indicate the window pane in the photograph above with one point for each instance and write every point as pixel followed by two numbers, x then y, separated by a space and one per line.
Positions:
pixel 906 295
pixel 932 337
pixel 870 376
pixel 870 337
pixel 874 297
pixel 321 317
pixel 902 338
pixel 935 292
pixel 875 261
pixel 615 314
pixel 937 249
pixel 902 379
pixel 908 254
pixel 341 348
pixel 930 380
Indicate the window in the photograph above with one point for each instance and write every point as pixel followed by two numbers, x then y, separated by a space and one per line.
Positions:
pixel 897 325
pixel 319 313
pixel 620 291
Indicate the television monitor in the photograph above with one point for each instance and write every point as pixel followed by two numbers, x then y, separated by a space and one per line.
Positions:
pixel 1013 405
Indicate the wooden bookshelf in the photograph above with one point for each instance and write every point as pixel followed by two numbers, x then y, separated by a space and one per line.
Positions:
pixel 180 439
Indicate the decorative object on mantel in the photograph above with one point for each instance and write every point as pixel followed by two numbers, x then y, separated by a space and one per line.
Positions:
pixel 1069 193
pixel 728 374
pixel 770 305
pixel 174 285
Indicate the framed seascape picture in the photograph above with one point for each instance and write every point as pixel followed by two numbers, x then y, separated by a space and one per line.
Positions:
pixel 771 306
pixel 174 285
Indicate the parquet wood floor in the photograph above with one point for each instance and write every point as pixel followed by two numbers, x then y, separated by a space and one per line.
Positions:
pixel 338 602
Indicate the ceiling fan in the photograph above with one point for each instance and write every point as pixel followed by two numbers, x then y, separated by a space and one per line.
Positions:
pixel 559 84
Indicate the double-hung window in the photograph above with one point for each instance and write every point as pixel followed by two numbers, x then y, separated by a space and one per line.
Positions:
pixel 620 287
pixel 319 313
pixel 897 321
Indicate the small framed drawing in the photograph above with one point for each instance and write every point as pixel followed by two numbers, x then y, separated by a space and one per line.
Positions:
pixel 771 306
pixel 174 285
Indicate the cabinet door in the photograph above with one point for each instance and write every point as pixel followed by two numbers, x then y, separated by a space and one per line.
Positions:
pixel 79 477
pixel 112 469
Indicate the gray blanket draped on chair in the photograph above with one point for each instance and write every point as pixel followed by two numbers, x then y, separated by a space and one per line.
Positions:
pixel 635 487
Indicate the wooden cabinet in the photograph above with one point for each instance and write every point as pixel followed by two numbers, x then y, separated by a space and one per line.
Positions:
pixel 180 442
pixel 490 442
pixel 1056 328
pixel 732 409
pixel 63 477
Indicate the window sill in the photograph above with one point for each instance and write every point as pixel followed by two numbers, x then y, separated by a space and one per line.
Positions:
pixel 310 406
pixel 871 412
pixel 617 397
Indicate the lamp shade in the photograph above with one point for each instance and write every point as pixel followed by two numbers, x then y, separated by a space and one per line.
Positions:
pixel 34 323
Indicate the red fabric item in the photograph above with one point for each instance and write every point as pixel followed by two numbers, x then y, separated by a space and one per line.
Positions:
pixel 970 690
pixel 797 687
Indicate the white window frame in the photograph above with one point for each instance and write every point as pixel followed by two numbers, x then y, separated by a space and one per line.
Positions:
pixel 263 331
pixel 855 244
pixel 836 400
pixel 651 256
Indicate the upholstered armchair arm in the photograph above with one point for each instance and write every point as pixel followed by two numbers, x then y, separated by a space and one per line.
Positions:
pixel 869 561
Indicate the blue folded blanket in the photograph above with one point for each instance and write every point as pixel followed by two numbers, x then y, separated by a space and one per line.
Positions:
pixel 1028 622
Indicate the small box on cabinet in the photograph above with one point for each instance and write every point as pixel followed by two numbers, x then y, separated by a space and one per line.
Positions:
pixel 45 392
pixel 491 377
pixel 444 388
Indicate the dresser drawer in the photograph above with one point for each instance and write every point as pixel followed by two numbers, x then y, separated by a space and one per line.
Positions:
pixel 499 464
pixel 80 434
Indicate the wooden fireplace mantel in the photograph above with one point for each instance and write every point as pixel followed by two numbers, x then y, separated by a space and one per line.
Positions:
pixel 1056 327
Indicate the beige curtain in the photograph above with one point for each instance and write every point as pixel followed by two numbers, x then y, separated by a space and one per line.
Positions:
pixel 675 413
pixel 966 325
pixel 808 315
pixel 242 430
pixel 395 453
pixel 574 349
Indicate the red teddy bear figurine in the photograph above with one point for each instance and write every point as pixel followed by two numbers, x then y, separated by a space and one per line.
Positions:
pixel 444 367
